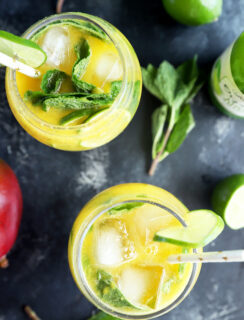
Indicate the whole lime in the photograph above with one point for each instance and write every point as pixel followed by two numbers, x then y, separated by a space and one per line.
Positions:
pixel 193 12
pixel 228 200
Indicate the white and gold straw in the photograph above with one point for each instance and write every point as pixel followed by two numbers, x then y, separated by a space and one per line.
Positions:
pixel 13 63
pixel 207 257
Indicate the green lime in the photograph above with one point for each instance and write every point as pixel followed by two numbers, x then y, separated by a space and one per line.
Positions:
pixel 27 51
pixel 193 12
pixel 228 200
pixel 203 226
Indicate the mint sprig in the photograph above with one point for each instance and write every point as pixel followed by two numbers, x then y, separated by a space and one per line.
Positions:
pixel 173 121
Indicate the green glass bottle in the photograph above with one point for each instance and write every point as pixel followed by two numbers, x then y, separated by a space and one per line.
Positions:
pixel 227 80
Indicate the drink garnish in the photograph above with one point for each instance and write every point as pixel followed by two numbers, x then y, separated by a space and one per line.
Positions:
pixel 203 226
pixel 21 50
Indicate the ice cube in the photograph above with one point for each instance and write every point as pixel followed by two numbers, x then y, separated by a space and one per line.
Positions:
pixel 150 219
pixel 56 45
pixel 133 283
pixel 109 68
pixel 112 246
pixel 140 285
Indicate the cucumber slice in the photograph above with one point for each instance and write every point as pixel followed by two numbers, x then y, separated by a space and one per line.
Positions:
pixel 228 200
pixel 26 51
pixel 203 226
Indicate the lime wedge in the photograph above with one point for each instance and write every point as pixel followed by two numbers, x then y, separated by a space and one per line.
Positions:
pixel 26 51
pixel 203 226
pixel 228 201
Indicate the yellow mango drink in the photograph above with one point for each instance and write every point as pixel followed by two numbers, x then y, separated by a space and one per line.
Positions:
pixel 113 256
pixel 89 88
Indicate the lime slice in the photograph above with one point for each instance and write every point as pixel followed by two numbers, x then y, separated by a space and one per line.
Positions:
pixel 228 200
pixel 193 12
pixel 203 226
pixel 26 51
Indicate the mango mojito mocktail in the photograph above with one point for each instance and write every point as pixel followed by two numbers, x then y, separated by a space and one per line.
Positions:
pixel 89 88
pixel 116 262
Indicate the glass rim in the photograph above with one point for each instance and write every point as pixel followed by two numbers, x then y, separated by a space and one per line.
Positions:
pixel 109 309
pixel 34 29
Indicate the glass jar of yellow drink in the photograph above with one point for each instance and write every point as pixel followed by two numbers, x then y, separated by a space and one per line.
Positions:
pixel 111 60
pixel 115 261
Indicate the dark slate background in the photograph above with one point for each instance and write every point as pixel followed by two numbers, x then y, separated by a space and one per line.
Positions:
pixel 57 184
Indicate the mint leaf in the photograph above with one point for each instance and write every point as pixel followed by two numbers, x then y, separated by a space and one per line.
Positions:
pixel 123 208
pixel 159 117
pixel 52 81
pixel 75 115
pixel 188 71
pixel 115 88
pixel 172 88
pixel 103 316
pixel 83 52
pixel 77 103
pixel 148 76
pixel 181 129
pixel 38 97
pixel 109 292
pixel 191 76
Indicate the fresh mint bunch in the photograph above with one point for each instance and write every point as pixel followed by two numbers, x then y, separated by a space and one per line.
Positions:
pixel 173 120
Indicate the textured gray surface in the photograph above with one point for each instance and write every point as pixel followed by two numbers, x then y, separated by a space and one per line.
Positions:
pixel 57 184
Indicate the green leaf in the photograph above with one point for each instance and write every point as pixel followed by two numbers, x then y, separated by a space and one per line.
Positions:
pixel 158 122
pixel 148 76
pixel 52 81
pixel 123 208
pixel 77 103
pixel 191 76
pixel 83 52
pixel 74 100
pixel 78 114
pixel 188 71
pixel 38 97
pixel 115 88
pixel 103 316
pixel 181 129
pixel 109 292
pixel 172 88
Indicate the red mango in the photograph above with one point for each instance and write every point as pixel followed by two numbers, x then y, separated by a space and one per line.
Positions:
pixel 11 205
